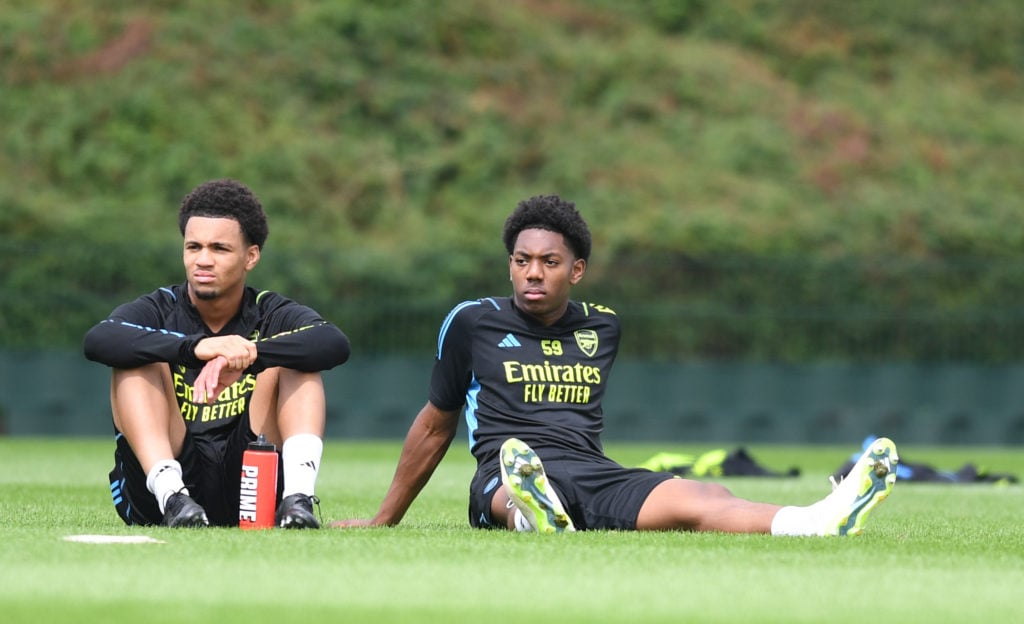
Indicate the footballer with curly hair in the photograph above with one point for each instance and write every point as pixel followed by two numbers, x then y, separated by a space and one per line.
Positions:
pixel 200 368
pixel 528 373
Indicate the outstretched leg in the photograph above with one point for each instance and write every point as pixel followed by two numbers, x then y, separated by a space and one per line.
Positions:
pixel 699 506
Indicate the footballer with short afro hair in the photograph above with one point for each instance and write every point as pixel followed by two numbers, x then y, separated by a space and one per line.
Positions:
pixel 551 213
pixel 227 199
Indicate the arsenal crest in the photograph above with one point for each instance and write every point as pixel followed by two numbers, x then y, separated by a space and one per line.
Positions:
pixel 586 340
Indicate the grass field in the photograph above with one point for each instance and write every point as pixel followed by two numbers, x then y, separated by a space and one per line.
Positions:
pixel 932 553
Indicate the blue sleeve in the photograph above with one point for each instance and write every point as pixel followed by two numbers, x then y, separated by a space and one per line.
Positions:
pixel 453 364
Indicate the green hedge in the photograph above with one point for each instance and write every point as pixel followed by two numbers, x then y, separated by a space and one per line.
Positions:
pixel 857 161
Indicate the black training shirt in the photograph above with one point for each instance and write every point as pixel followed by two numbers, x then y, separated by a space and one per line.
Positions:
pixel 519 378
pixel 164 326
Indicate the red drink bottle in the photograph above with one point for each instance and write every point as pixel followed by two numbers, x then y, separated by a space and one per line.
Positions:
pixel 257 500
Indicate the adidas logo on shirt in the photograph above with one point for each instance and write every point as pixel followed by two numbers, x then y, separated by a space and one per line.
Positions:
pixel 509 342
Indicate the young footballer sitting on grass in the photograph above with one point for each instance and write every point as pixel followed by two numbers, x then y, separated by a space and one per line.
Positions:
pixel 200 368
pixel 531 371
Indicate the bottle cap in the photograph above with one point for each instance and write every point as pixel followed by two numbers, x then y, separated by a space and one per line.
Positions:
pixel 261 444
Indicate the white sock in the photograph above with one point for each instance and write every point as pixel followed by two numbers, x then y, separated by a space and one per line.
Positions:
pixel 164 479
pixel 300 456
pixel 522 524
pixel 796 521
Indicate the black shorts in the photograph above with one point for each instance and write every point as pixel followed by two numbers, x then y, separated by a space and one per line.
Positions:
pixel 597 492
pixel 211 469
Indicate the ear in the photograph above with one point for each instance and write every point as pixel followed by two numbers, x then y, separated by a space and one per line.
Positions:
pixel 252 257
pixel 579 267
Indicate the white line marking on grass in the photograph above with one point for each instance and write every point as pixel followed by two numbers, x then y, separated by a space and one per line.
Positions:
pixel 113 539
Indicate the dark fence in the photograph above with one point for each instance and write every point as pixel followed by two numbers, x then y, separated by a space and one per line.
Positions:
pixel 59 393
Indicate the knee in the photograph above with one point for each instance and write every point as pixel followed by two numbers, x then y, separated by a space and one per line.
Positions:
pixel 715 490
pixel 146 371
pixel 290 378
pixel 146 380
pixel 297 376
pixel 683 504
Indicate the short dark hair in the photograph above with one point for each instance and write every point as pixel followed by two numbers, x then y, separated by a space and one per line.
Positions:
pixel 551 213
pixel 228 199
